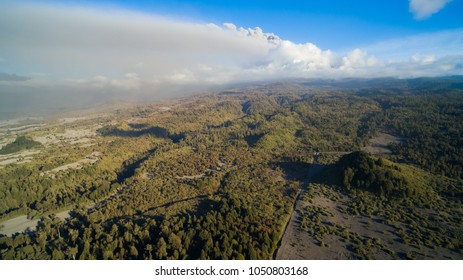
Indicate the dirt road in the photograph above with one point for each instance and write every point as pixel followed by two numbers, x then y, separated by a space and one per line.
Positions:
pixel 293 242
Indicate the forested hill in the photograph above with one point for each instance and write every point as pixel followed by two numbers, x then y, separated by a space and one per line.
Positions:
pixel 361 171
pixel 215 176
pixel 386 179
pixel 454 82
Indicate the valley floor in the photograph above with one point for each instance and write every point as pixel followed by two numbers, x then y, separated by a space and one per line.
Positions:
pixel 296 244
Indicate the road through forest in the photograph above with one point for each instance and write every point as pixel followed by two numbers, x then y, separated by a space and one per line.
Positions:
pixel 292 244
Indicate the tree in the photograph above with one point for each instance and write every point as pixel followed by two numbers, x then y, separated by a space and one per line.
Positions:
pixel 161 246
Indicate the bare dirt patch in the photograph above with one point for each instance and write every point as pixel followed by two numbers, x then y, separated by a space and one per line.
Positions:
pixel 23 224
pixel 219 167
pixel 18 158
pixel 71 120
pixel 70 136
pixel 293 243
pixel 331 232
pixel 90 159
pixel 63 215
pixel 379 145
pixel 22 128
pixel 18 224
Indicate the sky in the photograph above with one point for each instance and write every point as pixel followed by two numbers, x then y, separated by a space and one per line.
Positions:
pixel 148 47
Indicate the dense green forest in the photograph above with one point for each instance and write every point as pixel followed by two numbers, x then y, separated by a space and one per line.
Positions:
pixel 361 171
pixel 431 123
pixel 216 176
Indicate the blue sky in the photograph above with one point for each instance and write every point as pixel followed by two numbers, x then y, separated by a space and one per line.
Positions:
pixel 152 46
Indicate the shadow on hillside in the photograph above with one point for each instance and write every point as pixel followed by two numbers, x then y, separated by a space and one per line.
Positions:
pixel 141 129
pixel 329 174
pixel 293 170
pixel 251 140
pixel 224 124
pixel 128 168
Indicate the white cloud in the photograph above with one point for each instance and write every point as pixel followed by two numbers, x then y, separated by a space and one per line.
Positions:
pixel 426 59
pixel 120 51
pixel 307 56
pixel 422 9
pixel 257 33
pixel 359 59
pixel 130 81
pixel 229 26
pixel 98 81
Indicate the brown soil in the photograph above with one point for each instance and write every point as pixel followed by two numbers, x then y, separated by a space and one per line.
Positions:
pixel 299 244
pixel 379 144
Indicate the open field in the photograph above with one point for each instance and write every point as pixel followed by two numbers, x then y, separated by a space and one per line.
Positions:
pixel 18 158
pixel 89 159
pixel 69 136
pixel 379 144
pixel 22 223
pixel 18 224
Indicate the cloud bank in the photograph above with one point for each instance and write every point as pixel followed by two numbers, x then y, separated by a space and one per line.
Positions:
pixel 117 51
pixel 422 9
